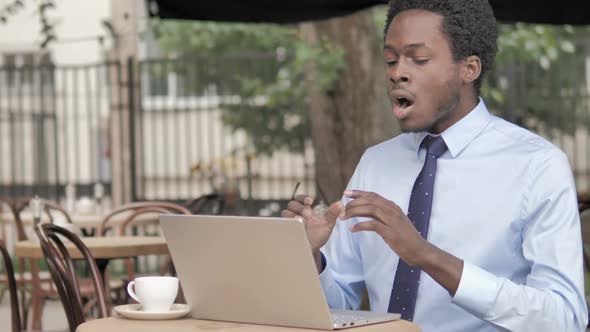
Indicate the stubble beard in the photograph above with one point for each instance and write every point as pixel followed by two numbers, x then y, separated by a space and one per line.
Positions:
pixel 443 112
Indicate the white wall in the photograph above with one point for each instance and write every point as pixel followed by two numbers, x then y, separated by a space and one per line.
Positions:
pixel 75 20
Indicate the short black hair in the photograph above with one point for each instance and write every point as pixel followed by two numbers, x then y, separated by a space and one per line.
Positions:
pixel 470 26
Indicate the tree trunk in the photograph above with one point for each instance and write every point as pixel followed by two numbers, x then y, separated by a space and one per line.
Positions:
pixel 355 113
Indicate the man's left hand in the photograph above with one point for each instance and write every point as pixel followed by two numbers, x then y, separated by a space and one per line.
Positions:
pixel 389 221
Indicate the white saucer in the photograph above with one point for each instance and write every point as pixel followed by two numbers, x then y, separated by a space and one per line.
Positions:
pixel 134 311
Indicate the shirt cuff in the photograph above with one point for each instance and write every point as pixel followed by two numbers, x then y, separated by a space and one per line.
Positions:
pixel 477 290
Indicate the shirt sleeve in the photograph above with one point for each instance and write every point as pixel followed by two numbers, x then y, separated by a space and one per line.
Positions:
pixel 342 278
pixel 552 298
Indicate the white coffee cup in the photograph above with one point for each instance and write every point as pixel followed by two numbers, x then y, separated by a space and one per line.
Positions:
pixel 156 294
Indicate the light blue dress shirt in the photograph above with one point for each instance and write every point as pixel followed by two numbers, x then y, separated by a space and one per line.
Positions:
pixel 504 203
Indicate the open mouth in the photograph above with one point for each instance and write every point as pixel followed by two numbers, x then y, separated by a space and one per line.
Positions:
pixel 402 103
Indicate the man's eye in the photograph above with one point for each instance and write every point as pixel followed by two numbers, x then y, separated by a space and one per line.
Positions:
pixel 421 61
pixel 391 62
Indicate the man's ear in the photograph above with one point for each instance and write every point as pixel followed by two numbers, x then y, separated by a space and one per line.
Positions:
pixel 471 69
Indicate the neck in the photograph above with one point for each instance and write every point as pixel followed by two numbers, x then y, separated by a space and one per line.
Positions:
pixel 466 103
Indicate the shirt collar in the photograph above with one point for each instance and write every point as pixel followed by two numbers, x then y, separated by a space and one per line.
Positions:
pixel 460 134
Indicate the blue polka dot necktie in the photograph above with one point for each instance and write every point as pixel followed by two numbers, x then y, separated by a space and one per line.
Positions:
pixel 407 278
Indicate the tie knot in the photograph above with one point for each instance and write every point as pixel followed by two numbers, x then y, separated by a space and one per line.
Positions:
pixel 435 145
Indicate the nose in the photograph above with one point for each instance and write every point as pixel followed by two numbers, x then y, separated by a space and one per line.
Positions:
pixel 397 74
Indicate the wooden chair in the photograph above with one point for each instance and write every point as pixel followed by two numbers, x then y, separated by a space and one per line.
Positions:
pixel 5 204
pixel 51 209
pixel 132 213
pixel 12 289
pixel 128 210
pixel 45 288
pixel 63 272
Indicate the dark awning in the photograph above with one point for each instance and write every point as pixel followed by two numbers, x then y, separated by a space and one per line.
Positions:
pixel 572 12
pixel 277 11
pixel 271 11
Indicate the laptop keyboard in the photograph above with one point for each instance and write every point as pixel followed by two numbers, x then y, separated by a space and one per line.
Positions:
pixel 349 318
pixel 342 318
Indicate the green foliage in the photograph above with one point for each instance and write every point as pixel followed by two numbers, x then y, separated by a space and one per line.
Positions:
pixel 535 72
pixel 532 46
pixel 273 103
pixel 182 37
pixel 528 43
pixel 537 81
pixel 274 113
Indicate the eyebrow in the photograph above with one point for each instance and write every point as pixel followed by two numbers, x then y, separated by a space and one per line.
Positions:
pixel 409 46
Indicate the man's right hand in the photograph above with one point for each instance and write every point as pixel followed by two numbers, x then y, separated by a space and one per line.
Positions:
pixel 318 227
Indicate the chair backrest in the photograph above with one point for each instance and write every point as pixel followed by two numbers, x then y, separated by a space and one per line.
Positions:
pixel 5 201
pixel 5 205
pixel 141 211
pixel 206 204
pixel 134 210
pixel 50 209
pixel 16 322
pixel 63 272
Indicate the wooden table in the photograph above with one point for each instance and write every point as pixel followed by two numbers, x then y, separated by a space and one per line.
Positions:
pixel 117 324
pixel 103 247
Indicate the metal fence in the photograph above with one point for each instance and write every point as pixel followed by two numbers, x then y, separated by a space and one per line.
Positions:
pixel 186 150
pixel 53 128
pixel 153 129
pixel 148 130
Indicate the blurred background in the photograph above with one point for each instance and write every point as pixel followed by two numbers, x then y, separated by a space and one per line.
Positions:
pixel 231 107
pixel 101 100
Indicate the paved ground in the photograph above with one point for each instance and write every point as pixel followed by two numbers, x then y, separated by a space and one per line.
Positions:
pixel 54 319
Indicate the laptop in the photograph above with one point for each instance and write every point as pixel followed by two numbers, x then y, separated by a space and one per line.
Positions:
pixel 256 270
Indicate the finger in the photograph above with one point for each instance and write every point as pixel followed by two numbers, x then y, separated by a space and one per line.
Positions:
pixel 360 202
pixel 366 210
pixel 334 211
pixel 295 206
pixel 370 226
pixel 358 193
pixel 375 200
pixel 304 199
pixel 360 197
pixel 290 214
pixel 299 209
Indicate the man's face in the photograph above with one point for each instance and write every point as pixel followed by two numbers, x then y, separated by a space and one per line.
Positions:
pixel 423 80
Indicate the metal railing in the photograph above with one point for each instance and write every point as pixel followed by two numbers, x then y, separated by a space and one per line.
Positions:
pixel 67 126
pixel 157 126
pixel 54 128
